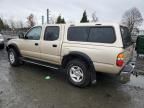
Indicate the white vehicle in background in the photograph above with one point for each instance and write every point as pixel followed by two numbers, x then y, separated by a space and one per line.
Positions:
pixel 1 42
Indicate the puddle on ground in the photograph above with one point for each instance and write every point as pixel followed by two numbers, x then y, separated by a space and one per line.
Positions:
pixel 137 81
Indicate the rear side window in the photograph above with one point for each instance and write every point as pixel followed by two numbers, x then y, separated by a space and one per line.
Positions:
pixel 102 35
pixel 126 36
pixel 78 34
pixel 92 34
pixel 51 33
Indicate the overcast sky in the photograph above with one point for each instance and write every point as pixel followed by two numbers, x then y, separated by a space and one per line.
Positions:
pixel 107 10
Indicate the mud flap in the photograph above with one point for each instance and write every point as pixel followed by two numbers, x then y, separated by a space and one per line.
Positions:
pixel 93 76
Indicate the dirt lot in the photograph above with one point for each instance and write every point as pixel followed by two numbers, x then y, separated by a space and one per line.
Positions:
pixel 26 87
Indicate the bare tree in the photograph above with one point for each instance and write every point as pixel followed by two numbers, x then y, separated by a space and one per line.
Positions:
pixel 21 25
pixel 12 24
pixel 52 20
pixel 94 17
pixel 31 21
pixel 132 18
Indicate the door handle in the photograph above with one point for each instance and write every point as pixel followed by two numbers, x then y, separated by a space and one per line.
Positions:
pixel 54 45
pixel 36 44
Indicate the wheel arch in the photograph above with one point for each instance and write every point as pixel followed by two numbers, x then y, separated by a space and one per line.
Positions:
pixel 76 55
pixel 15 47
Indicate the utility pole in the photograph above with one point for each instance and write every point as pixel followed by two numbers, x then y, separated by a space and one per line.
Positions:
pixel 42 20
pixel 47 16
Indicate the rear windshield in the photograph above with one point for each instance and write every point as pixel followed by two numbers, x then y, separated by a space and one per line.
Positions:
pixel 126 36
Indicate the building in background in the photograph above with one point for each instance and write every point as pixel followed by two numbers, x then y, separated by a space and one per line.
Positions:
pixel 141 32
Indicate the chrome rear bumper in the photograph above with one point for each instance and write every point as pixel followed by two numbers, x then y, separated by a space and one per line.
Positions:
pixel 126 72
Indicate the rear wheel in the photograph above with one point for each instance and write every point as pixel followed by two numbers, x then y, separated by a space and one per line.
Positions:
pixel 78 73
pixel 13 57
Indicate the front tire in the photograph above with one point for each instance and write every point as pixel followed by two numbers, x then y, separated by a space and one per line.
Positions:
pixel 13 57
pixel 78 74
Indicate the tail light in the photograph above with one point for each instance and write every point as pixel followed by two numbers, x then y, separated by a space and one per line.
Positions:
pixel 120 60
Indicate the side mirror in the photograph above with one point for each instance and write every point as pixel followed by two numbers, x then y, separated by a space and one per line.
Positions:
pixel 21 35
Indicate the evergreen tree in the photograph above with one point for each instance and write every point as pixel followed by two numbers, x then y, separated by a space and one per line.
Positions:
pixel 84 18
pixel 63 21
pixel 60 20
pixel 1 24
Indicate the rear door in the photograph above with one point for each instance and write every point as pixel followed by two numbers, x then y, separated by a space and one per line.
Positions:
pixel 51 44
pixel 127 43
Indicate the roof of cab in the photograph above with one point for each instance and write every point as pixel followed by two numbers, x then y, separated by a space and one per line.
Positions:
pixel 88 24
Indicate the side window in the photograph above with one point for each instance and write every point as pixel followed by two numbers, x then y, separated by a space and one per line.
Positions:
pixel 51 33
pixel 78 34
pixel 34 33
pixel 102 35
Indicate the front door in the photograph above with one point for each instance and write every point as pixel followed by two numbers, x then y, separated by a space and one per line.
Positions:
pixel 30 46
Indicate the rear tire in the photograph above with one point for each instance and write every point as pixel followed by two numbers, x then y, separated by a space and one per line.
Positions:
pixel 13 57
pixel 77 73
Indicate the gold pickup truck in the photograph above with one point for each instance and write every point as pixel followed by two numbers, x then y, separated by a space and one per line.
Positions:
pixel 81 50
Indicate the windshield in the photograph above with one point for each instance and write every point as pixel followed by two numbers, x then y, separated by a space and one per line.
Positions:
pixel 126 37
